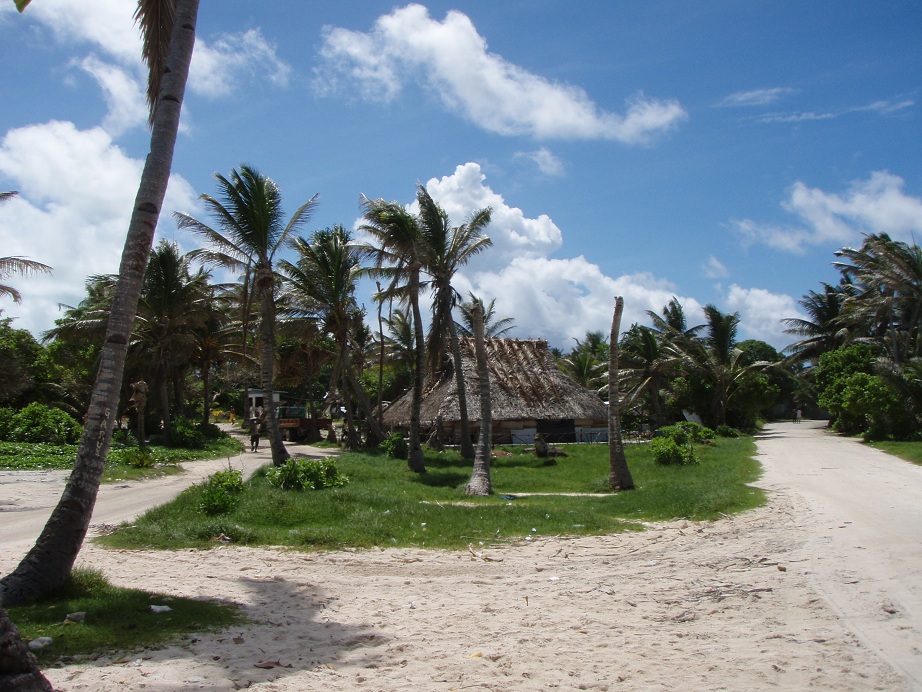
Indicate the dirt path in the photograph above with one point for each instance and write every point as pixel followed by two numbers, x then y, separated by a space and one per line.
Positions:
pixel 28 497
pixel 863 553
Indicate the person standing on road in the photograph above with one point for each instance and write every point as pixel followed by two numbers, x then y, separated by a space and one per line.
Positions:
pixel 254 434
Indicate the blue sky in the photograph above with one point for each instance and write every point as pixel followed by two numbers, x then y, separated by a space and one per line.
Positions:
pixel 718 152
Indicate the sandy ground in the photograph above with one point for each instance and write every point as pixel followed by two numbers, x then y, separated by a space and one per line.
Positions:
pixel 820 590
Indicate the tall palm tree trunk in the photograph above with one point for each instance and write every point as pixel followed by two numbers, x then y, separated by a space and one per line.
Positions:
pixel 467 447
pixel 206 392
pixel 376 434
pixel 480 475
pixel 266 283
pixel 619 475
pixel 19 671
pixel 165 403
pixel 49 562
pixel 415 457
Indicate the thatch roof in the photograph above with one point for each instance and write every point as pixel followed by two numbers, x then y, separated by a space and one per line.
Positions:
pixel 524 384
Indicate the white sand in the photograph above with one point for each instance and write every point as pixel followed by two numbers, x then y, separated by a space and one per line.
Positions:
pixel 737 604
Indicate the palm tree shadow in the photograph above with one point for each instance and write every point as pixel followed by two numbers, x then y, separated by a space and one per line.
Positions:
pixel 290 627
pixel 442 478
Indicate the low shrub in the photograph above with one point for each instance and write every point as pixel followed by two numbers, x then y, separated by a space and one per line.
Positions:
pixel 667 452
pixel 727 431
pixel 306 474
pixel 138 458
pixel 39 423
pixel 395 446
pixel 221 492
pixel 124 437
pixel 186 434
pixel 685 432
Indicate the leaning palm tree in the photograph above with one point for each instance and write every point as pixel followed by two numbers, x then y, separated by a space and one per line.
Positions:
pixel 397 250
pixel 447 249
pixel 321 286
pixel 168 35
pixel 250 231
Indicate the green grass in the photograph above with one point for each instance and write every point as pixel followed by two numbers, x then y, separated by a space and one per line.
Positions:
pixel 385 504
pixel 118 620
pixel 910 451
pixel 23 456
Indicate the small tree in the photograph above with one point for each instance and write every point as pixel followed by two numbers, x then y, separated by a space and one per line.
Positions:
pixel 480 476
pixel 619 475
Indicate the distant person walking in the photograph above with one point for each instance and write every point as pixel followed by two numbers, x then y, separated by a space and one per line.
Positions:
pixel 254 434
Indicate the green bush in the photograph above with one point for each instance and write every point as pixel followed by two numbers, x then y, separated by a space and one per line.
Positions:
pixel 231 480
pixel 221 492
pixel 186 434
pixel 395 446
pixel 667 452
pixel 306 474
pixel 138 458
pixel 727 431
pixel 684 432
pixel 124 437
pixel 39 423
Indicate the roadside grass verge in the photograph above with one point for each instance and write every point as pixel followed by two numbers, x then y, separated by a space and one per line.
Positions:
pixel 117 620
pixel 24 456
pixel 910 451
pixel 384 504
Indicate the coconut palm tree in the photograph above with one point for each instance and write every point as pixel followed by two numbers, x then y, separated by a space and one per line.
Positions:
pixel 171 310
pixel 583 367
pixel 321 286
pixel 448 249
pixel 250 231
pixel 397 249
pixel 887 293
pixel 619 474
pixel 168 35
pixel 480 483
pixel 644 370
pixel 493 328
pixel 824 328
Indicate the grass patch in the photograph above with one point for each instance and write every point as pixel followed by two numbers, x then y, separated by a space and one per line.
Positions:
pixel 118 621
pixel 910 451
pixel 24 456
pixel 385 504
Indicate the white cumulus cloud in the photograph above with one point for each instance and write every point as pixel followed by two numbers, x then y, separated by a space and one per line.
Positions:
pixel 452 59
pixel 876 205
pixel 77 189
pixel 107 27
pixel 514 235
pixel 761 313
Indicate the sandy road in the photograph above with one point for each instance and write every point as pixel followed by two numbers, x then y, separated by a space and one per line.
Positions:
pixel 841 611
pixel 863 513
pixel 28 497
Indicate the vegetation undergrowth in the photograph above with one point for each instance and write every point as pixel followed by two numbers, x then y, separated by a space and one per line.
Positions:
pixel 117 621
pixel 121 464
pixel 910 451
pixel 385 504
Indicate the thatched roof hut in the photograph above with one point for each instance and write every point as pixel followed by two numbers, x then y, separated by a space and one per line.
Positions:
pixel 528 393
